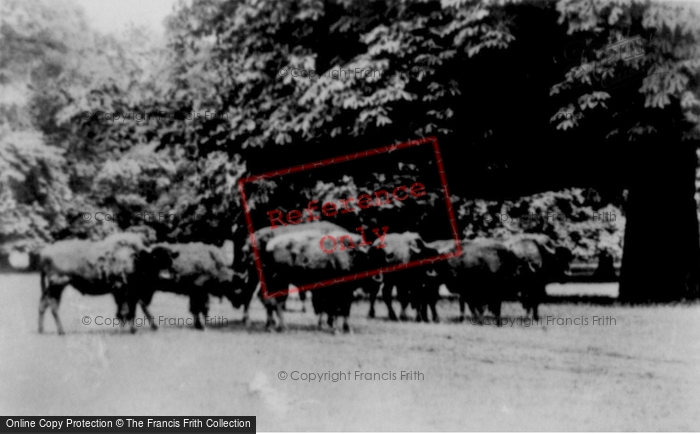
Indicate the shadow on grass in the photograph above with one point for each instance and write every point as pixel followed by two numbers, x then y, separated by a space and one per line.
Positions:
pixel 600 300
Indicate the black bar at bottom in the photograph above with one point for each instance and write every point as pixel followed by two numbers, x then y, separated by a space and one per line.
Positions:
pixel 124 424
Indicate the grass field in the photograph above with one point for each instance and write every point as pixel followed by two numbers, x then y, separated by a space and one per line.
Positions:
pixel 641 373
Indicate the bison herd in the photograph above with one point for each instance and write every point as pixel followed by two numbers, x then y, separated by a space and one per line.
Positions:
pixel 131 268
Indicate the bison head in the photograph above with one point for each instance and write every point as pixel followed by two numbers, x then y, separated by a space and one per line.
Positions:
pixel 157 262
pixel 397 248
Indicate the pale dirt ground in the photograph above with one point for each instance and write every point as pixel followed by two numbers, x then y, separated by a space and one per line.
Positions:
pixel 641 374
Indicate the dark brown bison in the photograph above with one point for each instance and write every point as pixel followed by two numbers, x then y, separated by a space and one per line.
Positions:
pixel 410 283
pixel 292 255
pixel 491 271
pixel 541 262
pixel 201 270
pixel 121 265
pixel 300 257
pixel 482 276
pixel 435 275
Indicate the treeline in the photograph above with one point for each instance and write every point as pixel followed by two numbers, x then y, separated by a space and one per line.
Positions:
pixel 493 76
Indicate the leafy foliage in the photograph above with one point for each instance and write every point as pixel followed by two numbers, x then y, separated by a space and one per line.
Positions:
pixel 576 220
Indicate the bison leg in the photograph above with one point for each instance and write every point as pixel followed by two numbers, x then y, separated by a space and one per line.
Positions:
pixel 270 317
pixel 404 297
pixel 332 321
pixel 246 316
pixel 477 312
pixel 432 296
pixel 198 305
pixel 147 313
pixel 433 310
pixel 403 316
pixel 281 326
pixel 144 299
pixel 129 314
pixel 531 298
pixel 419 311
pixel 386 295
pixel 51 298
pixel 541 294
pixel 273 305
pixel 53 303
pixel 121 316
pixel 495 307
pixel 346 325
pixel 462 302
pixel 372 289
pixel 421 306
pixel 302 298
pixel 43 304
pixel 372 299
pixel 345 304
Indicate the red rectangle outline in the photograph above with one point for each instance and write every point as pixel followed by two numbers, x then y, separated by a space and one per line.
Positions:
pixel 334 160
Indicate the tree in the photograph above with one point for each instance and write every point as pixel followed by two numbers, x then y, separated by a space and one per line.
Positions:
pixel 232 57
pixel 659 125
pixel 34 191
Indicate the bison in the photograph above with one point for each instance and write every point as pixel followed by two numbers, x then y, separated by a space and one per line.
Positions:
pixel 435 275
pixel 299 257
pixel 292 255
pixel 410 283
pixel 120 265
pixel 490 271
pixel 541 262
pixel 482 276
pixel 201 270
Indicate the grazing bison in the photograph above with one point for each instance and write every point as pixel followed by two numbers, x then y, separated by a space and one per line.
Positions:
pixel 300 257
pixel 435 275
pixel 541 262
pixel 401 249
pixel 200 270
pixel 292 255
pixel 533 262
pixel 120 265
pixel 482 276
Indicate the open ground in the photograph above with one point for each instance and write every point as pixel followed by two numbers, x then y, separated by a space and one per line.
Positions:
pixel 640 373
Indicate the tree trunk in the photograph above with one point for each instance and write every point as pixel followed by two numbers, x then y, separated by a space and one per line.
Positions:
pixel 661 257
